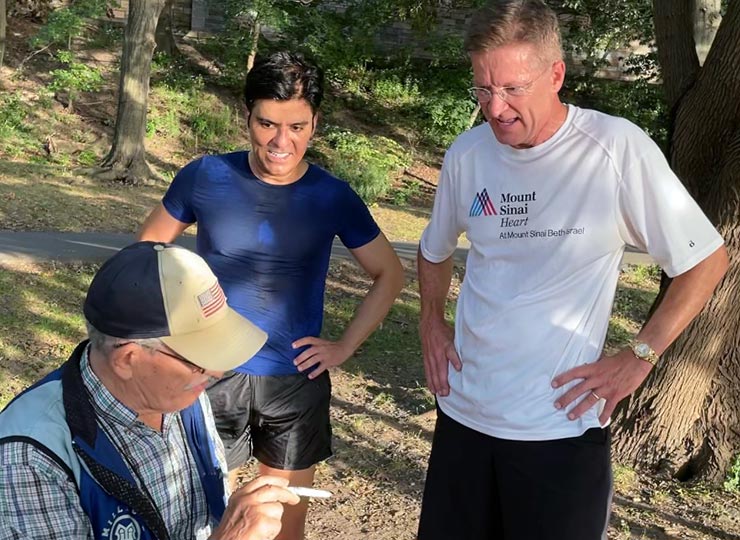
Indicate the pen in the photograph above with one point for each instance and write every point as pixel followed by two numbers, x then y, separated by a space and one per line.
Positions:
pixel 309 492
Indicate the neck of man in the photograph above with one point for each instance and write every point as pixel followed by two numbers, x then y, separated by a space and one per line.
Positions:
pixel 120 390
pixel 555 122
pixel 293 176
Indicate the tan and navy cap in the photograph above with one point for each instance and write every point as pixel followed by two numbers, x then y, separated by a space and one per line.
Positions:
pixel 156 290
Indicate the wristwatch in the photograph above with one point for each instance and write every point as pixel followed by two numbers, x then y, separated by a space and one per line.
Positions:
pixel 643 351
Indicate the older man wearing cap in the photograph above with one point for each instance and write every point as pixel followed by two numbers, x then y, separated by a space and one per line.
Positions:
pixel 119 442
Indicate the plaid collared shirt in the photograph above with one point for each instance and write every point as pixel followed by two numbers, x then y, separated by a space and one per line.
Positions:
pixel 37 499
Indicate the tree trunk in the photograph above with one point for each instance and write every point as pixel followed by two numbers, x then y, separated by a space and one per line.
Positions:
pixel 3 27
pixel 165 34
pixel 126 160
pixel 683 420
pixel 706 22
pixel 256 29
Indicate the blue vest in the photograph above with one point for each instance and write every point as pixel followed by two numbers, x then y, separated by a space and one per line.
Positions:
pixel 56 416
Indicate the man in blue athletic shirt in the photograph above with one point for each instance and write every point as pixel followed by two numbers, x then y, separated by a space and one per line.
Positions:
pixel 266 222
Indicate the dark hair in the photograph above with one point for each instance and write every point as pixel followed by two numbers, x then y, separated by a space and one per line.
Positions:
pixel 283 76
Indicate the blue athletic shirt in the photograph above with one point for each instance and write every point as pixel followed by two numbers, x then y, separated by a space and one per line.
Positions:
pixel 269 245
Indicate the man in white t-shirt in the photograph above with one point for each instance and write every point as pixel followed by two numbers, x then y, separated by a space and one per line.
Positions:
pixel 549 195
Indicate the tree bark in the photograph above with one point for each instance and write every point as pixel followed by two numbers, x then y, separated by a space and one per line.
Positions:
pixel 165 33
pixel 126 160
pixel 256 29
pixel 684 419
pixel 3 29
pixel 674 31
pixel 706 22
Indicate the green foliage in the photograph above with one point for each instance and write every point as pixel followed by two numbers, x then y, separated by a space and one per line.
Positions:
pixel 369 164
pixel 446 116
pixel 639 101
pixel 66 23
pixel 13 113
pixel 211 122
pixel 236 42
pixel 15 132
pixel 75 78
pixel 175 75
pixel 600 26
pixel 181 104
pixel 732 482
pixel 392 90
pixel 162 122
pixel 87 158
pixel 106 35
pixel 403 194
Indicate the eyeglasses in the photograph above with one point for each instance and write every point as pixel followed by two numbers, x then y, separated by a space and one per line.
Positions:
pixel 193 367
pixel 484 94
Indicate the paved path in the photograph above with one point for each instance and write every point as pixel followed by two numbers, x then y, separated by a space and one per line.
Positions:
pixel 23 246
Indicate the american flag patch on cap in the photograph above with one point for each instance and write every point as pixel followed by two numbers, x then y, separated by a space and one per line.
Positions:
pixel 211 300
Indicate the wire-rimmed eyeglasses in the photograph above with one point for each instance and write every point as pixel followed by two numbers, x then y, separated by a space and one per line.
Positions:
pixel 484 94
pixel 193 367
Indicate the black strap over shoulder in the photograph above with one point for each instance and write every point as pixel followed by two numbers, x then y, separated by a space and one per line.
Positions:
pixel 82 424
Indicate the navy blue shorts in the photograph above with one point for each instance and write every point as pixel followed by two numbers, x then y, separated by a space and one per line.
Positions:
pixel 480 487
pixel 282 420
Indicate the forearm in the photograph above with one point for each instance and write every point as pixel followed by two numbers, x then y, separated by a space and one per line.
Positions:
pixel 374 307
pixel 684 299
pixel 159 226
pixel 434 284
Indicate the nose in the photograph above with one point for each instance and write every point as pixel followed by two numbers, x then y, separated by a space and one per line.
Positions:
pixel 281 138
pixel 495 106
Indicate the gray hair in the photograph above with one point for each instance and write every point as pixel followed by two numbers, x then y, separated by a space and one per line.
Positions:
pixel 505 22
pixel 105 344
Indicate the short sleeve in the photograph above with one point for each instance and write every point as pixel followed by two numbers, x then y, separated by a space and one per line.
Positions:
pixel 439 239
pixel 178 200
pixel 658 215
pixel 357 226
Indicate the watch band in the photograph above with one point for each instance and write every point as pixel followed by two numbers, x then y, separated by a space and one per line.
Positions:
pixel 643 351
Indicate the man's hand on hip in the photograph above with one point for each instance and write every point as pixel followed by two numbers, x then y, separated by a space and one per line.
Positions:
pixel 438 348
pixel 327 354
pixel 255 509
pixel 611 378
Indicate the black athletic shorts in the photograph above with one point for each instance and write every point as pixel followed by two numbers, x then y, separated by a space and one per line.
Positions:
pixel 283 420
pixel 484 488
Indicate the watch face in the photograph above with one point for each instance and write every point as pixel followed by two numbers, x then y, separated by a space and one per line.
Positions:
pixel 642 349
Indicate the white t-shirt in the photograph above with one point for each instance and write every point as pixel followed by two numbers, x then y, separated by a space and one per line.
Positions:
pixel 548 226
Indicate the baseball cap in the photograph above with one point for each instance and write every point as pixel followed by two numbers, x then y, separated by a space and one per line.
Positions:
pixel 158 290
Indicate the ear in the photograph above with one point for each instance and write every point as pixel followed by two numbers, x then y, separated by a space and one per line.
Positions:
pixel 124 359
pixel 558 75
pixel 315 122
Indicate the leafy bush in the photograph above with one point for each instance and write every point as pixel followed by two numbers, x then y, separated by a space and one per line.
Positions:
pixel 445 117
pixel 15 133
pixel 13 113
pixel 393 91
pixel 66 23
pixel 732 482
pixel 368 163
pixel 87 158
pixel 164 122
pixel 211 122
pixel 75 78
